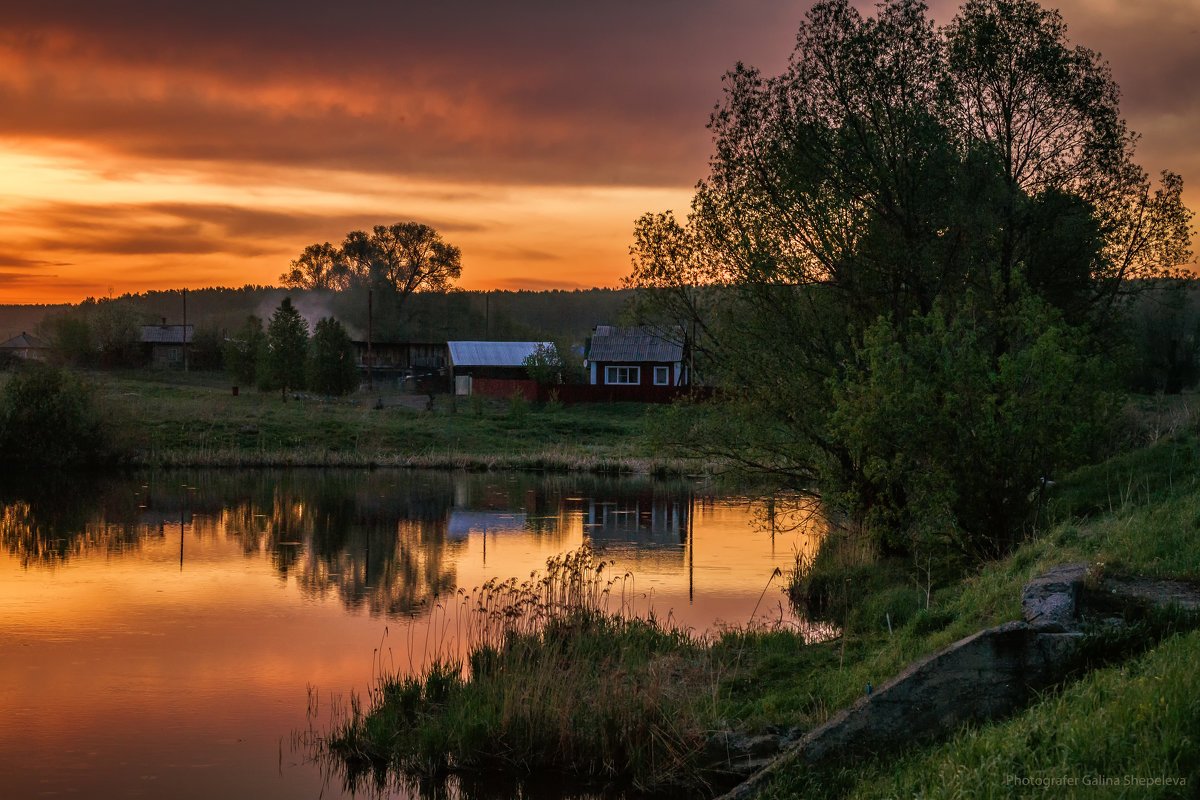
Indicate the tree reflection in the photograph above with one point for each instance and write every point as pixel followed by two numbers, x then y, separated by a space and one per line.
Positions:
pixel 386 542
pixel 47 521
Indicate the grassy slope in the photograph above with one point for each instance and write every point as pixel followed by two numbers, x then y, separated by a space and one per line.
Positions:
pixel 1137 513
pixel 194 420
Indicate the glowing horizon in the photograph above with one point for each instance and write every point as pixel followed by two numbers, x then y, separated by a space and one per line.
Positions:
pixel 185 148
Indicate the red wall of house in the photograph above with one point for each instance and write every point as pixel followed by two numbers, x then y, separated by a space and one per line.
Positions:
pixel 505 388
pixel 647 375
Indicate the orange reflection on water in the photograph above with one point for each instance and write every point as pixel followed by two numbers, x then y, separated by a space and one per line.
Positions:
pixel 159 637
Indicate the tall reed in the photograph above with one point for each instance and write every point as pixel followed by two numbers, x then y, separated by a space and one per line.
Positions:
pixel 562 675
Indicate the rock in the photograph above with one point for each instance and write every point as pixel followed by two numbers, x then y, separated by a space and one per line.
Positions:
pixel 1050 601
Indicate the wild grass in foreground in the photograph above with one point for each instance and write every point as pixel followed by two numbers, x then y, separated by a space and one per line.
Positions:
pixel 1138 514
pixel 556 682
pixel 1124 731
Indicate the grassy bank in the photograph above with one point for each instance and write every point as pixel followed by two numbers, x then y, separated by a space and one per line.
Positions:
pixel 171 419
pixel 612 700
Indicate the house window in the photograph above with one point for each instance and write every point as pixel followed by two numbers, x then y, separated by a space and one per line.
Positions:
pixel 627 376
pixel 662 376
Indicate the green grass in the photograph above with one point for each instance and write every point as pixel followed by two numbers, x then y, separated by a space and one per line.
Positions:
pixel 172 419
pixel 561 698
pixel 1138 513
pixel 1099 737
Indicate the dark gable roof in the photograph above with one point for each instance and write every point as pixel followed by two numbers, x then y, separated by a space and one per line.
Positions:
pixel 165 334
pixel 632 344
pixel 25 341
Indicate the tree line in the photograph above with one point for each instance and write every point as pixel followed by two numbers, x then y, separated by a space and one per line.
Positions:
pixel 282 357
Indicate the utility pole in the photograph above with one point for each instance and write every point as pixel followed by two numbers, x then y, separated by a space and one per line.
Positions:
pixel 185 336
pixel 370 331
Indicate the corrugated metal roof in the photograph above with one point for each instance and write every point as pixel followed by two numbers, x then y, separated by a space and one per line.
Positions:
pixel 25 342
pixel 491 354
pixel 632 344
pixel 165 334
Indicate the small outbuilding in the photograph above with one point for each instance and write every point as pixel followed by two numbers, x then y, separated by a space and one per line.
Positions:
pixel 492 368
pixel 25 347
pixel 166 344
pixel 637 358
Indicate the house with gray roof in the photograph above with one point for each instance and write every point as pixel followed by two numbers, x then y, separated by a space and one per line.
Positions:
pixel 26 347
pixel 166 344
pixel 641 357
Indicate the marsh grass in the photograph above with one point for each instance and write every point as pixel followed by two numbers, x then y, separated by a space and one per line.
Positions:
pixel 563 674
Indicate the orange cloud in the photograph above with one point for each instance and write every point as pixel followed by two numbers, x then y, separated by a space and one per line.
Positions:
pixel 149 145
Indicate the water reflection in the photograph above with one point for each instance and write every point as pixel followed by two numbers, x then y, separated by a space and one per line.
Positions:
pixel 168 625
pixel 386 542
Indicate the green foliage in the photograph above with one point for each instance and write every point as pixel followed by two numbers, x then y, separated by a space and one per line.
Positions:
pixel 117 334
pixel 1163 329
pixel 71 339
pixel 545 364
pixel 331 360
pixel 950 444
pixel 283 362
pixel 49 419
pixel 242 351
pixel 207 350
pixel 902 278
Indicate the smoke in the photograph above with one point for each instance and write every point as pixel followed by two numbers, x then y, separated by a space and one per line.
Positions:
pixel 314 306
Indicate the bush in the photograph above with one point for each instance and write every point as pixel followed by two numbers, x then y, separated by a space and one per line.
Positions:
pixel 49 418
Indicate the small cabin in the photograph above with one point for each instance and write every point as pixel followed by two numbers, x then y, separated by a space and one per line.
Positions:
pixel 405 358
pixel 25 347
pixel 636 358
pixel 492 368
pixel 166 344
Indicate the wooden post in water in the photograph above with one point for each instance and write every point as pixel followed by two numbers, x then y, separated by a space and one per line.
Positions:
pixel 691 546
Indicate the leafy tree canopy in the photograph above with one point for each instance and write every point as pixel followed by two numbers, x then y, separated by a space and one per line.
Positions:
pixel 400 259
pixel 886 225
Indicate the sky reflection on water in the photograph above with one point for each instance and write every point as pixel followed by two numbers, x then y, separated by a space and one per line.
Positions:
pixel 160 634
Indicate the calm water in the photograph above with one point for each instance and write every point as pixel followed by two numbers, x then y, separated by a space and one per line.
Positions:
pixel 163 635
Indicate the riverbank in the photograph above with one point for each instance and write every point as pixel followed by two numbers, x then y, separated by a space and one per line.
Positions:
pixel 195 420
pixel 679 701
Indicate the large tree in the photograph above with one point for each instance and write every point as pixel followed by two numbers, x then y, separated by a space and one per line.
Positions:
pixel 899 189
pixel 404 258
pixel 320 266
pixel 283 364
pixel 331 363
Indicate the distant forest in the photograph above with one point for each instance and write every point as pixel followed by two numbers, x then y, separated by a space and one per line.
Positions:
pixel 558 315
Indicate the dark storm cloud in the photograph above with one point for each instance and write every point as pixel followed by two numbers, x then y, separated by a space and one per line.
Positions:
pixel 535 92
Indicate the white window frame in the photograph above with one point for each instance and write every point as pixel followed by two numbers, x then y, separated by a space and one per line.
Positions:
pixel 632 376
pixel 666 376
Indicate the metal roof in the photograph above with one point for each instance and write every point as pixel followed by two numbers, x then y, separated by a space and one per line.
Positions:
pixel 25 342
pixel 632 344
pixel 165 334
pixel 491 354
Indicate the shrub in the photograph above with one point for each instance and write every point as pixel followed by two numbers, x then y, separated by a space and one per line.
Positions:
pixel 49 418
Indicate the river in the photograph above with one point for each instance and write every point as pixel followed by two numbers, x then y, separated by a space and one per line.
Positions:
pixel 176 634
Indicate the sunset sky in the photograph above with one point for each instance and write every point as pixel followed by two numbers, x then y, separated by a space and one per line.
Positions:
pixel 150 145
